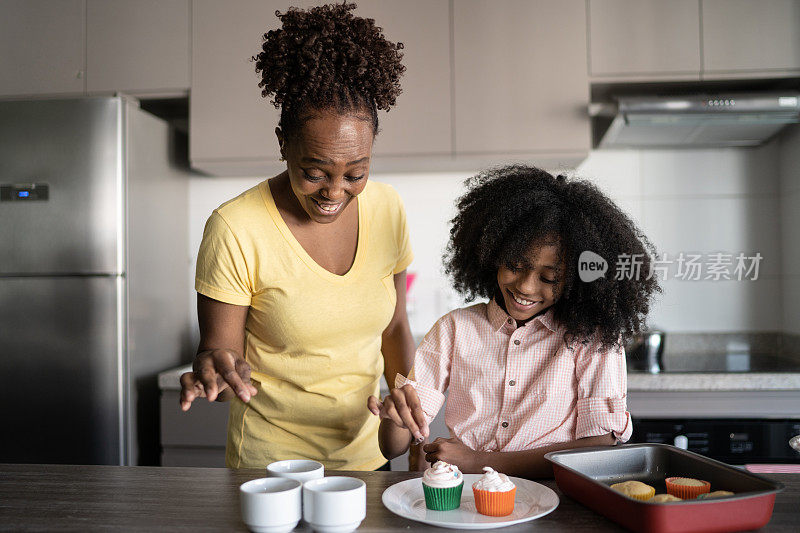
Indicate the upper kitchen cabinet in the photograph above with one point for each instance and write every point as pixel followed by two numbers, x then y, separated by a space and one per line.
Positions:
pixel 41 47
pixel 421 122
pixel 233 127
pixel 644 39
pixel 748 38
pixel 521 84
pixel 137 47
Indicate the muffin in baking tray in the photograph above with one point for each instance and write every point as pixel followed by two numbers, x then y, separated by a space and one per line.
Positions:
pixel 686 488
pixel 664 498
pixel 715 494
pixel 635 489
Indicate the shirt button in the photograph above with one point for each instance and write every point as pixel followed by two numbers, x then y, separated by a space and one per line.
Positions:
pixel 504 424
pixel 516 342
pixel 512 382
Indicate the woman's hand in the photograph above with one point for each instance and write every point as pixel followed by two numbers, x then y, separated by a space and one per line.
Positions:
pixel 455 452
pixel 215 371
pixel 402 407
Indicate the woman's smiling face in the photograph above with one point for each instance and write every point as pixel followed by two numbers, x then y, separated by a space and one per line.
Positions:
pixel 534 284
pixel 328 162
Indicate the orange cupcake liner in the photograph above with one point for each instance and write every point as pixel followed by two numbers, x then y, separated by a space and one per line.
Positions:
pixel 491 503
pixel 686 492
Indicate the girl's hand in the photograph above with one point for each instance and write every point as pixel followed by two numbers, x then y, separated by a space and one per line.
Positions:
pixel 416 458
pixel 457 453
pixel 402 407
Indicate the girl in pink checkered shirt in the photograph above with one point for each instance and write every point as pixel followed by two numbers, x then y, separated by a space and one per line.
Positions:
pixel 540 366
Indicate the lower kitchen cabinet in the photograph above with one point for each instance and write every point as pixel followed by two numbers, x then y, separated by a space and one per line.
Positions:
pixel 193 438
pixel 201 457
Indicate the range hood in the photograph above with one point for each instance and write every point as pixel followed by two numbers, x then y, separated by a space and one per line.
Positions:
pixel 696 121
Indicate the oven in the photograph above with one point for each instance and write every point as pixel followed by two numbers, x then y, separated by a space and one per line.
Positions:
pixel 735 441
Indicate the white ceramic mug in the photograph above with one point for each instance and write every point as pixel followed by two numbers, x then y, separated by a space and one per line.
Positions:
pixel 300 469
pixel 271 505
pixel 334 504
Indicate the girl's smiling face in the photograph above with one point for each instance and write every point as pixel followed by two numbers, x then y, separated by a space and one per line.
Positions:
pixel 534 283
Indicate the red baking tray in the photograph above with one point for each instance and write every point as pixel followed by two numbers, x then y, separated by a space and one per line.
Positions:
pixel 586 474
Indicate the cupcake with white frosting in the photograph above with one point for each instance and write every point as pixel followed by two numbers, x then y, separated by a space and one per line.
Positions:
pixel 442 484
pixel 494 493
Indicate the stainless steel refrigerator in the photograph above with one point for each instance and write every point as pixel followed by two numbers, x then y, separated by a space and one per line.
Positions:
pixel 93 278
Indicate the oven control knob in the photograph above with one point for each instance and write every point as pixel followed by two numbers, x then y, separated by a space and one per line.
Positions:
pixel 682 442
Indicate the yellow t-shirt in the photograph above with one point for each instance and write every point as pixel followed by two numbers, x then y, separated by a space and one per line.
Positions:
pixel 313 338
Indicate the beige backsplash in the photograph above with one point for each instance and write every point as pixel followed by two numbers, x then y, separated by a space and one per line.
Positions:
pixel 760 342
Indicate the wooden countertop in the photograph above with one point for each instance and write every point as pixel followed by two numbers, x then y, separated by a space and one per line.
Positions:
pixel 59 497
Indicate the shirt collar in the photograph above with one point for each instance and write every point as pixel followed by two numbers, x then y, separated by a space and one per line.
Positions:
pixel 499 318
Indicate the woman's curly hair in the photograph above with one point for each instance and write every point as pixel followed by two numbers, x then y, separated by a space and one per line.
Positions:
pixel 327 58
pixel 506 210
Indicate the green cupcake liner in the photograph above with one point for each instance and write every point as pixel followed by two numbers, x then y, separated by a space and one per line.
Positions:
pixel 447 499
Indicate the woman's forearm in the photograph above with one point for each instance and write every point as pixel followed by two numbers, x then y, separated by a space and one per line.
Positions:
pixel 397 343
pixel 398 352
pixel 531 463
pixel 397 346
pixel 398 357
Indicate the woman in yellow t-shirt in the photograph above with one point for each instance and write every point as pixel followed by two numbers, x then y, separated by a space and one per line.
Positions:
pixel 301 279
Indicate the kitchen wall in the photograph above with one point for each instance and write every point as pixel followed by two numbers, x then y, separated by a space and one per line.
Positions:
pixel 699 201
pixel 789 164
pixel 704 201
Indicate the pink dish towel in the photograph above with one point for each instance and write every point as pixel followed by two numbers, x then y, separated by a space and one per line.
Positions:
pixel 773 469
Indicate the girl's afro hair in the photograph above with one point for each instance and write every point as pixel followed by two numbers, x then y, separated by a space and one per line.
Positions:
pixel 506 210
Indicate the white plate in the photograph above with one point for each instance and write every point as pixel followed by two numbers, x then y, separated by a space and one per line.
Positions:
pixel 531 502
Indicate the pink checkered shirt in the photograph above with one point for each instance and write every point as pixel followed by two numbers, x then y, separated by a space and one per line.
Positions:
pixel 516 388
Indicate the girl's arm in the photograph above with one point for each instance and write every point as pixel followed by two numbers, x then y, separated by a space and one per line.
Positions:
pixel 526 463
